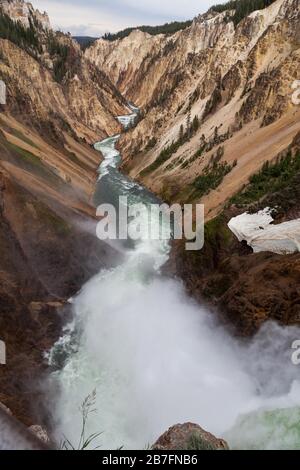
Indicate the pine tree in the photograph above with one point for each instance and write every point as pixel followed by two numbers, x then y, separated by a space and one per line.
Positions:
pixel 188 124
pixel 181 133
pixel 195 124
pixel 216 134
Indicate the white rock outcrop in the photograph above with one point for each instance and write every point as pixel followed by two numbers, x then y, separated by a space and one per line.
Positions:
pixel 257 231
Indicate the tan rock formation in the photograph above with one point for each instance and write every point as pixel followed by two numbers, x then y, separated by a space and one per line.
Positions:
pixel 22 11
pixel 237 79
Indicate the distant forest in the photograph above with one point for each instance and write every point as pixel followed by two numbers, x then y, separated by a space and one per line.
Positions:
pixel 85 41
pixel 242 8
pixel 168 28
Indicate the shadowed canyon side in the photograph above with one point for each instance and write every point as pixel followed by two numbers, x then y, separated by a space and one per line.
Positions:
pixel 57 104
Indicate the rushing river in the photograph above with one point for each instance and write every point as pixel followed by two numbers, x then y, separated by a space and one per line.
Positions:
pixel 156 358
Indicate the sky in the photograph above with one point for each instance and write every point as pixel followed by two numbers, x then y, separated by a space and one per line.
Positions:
pixel 96 17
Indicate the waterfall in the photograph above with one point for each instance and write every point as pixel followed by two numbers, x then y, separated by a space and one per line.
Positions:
pixel 156 358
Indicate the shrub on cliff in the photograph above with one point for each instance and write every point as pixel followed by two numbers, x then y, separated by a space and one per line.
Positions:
pixel 14 31
pixel 273 177
pixel 212 177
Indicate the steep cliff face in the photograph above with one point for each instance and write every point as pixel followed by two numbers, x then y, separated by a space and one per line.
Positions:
pixel 84 104
pixel 140 63
pixel 126 60
pixel 48 250
pixel 57 104
pixel 245 287
pixel 48 79
pixel 18 10
pixel 217 102
pixel 233 81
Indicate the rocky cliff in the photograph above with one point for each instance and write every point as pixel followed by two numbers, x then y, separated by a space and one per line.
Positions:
pixel 248 288
pixel 57 104
pixel 21 11
pixel 217 107
pixel 49 82
pixel 216 90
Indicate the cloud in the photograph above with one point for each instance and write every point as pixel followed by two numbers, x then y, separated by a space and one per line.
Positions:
pixel 168 9
pixel 95 17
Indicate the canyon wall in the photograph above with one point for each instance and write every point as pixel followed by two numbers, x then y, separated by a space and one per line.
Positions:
pixel 233 81
pixel 21 11
pixel 217 107
pixel 216 104
pixel 57 105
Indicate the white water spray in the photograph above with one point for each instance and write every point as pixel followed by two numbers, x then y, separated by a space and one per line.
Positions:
pixel 157 358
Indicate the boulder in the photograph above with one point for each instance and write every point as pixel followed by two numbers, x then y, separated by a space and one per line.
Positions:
pixel 189 436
